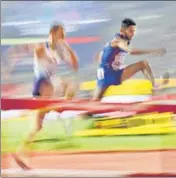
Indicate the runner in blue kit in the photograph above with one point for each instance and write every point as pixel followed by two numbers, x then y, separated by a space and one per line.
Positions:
pixel 112 70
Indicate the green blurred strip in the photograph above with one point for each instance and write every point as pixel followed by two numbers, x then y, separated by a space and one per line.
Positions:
pixel 18 41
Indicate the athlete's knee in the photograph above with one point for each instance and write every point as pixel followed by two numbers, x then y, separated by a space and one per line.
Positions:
pixel 143 64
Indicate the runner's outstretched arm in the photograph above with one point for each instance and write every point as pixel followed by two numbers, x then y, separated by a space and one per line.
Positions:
pixel 133 51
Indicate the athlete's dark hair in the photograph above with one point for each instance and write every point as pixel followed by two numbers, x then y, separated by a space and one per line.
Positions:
pixel 127 22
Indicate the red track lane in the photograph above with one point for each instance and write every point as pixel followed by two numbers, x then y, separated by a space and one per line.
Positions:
pixel 150 163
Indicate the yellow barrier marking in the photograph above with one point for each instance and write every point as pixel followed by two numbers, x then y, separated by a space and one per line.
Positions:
pixel 149 129
pixel 137 120
pixel 133 86
pixel 164 124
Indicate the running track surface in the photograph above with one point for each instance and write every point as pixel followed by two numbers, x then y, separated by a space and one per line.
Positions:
pixel 137 161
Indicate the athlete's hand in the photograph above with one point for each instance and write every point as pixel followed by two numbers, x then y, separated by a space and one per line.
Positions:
pixel 159 52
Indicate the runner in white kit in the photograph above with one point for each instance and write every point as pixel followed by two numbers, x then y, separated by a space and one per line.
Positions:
pixel 47 57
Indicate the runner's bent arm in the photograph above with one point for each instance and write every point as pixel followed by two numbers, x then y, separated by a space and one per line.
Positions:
pixel 73 60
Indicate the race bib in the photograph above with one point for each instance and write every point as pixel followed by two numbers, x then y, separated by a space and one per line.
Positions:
pixel 100 73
